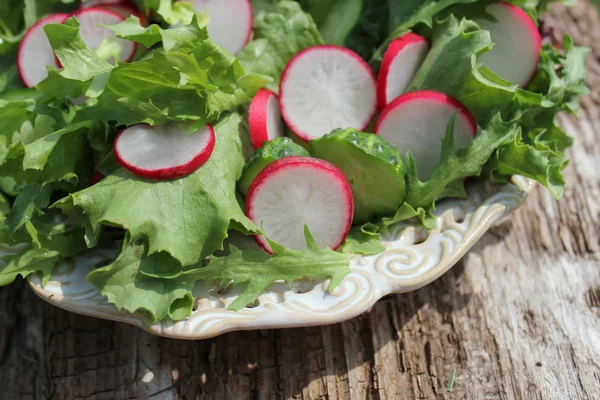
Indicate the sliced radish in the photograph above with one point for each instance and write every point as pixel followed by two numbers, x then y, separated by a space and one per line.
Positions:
pixel 516 52
pixel 296 191
pixel 230 23
pixel 35 51
pixel 264 118
pixel 163 152
pixel 126 10
pixel 324 88
pixel 400 63
pixel 93 34
pixel 417 122
pixel 94 3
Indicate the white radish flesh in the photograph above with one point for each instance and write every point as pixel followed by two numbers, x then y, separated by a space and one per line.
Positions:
pixel 400 63
pixel 296 191
pixel 163 152
pixel 35 52
pixel 230 23
pixel 93 34
pixel 417 122
pixel 324 88
pixel 264 118
pixel 517 43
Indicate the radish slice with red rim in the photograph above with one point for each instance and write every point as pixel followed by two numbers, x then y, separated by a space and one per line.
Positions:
pixel 517 43
pixel 163 152
pixel 417 122
pixel 400 63
pixel 93 34
pixel 294 192
pixel 324 88
pixel 35 52
pixel 230 23
pixel 264 118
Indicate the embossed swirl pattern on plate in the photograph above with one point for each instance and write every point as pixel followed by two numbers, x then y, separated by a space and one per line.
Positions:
pixel 413 258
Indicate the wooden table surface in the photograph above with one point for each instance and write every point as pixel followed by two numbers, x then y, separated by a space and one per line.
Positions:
pixel 517 318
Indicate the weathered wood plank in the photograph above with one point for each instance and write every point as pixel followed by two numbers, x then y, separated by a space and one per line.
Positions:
pixel 517 318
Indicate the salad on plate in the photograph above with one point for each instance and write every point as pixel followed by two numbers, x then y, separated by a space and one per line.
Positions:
pixel 159 128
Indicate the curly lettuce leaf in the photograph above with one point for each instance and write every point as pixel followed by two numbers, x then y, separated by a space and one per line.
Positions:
pixel 64 155
pixel 187 217
pixel 405 15
pixel 128 289
pixel 455 163
pixel 257 269
pixel 171 12
pixel 279 36
pixel 78 61
pixel 28 204
pixel 535 148
pixel 190 79
pixel 364 239
pixel 451 67
pixel 156 283
pixel 53 232
pixel 539 162
pixel 40 261
pixel 38 246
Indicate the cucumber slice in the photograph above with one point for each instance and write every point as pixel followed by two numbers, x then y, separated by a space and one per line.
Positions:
pixel 269 152
pixel 373 167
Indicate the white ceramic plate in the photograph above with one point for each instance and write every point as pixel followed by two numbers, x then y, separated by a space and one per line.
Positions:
pixel 413 258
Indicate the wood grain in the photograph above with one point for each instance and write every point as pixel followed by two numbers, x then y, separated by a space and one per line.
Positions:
pixel 517 318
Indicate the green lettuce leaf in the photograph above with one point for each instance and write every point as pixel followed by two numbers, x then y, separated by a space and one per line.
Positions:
pixel 63 155
pixel 187 217
pixel 278 36
pixel 25 263
pixel 171 12
pixel 29 203
pixel 79 63
pixel 258 270
pixel 364 239
pixel 190 79
pixel 334 18
pixel 535 148
pixel 53 232
pixel 404 16
pixel 125 287
pixel 454 164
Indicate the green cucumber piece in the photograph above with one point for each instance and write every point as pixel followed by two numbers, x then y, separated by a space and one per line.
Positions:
pixel 373 167
pixel 269 152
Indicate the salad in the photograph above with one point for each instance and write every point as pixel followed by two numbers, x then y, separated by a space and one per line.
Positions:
pixel 159 128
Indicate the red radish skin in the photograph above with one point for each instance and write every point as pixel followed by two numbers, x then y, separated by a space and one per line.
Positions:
pixel 97 177
pixel 150 164
pixel 35 51
pixel 516 52
pixel 93 35
pixel 293 198
pixel 95 3
pixel 400 63
pixel 230 23
pixel 301 88
pixel 264 118
pixel 417 121
pixel 126 10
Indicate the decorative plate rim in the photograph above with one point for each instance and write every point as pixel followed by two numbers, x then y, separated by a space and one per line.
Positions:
pixel 414 257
